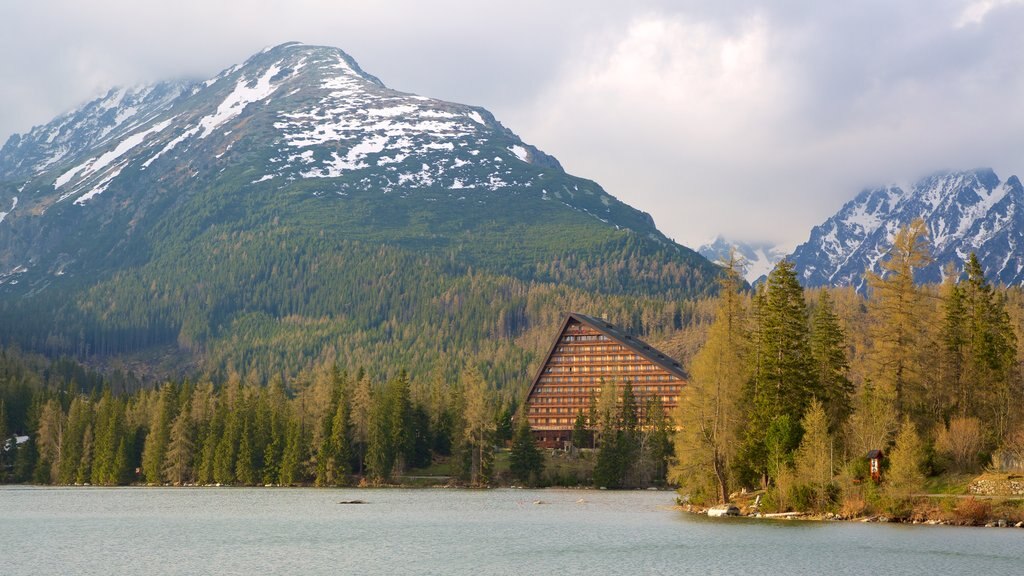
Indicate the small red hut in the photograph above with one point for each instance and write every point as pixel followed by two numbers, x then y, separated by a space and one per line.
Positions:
pixel 875 461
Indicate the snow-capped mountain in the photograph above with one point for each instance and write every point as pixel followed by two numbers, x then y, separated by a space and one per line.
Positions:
pixel 758 258
pixel 296 121
pixel 965 211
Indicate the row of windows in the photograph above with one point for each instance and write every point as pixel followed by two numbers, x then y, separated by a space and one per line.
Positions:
pixel 569 359
pixel 539 395
pixel 535 411
pixel 601 368
pixel 586 338
pixel 595 379
pixel 577 349
pixel 577 404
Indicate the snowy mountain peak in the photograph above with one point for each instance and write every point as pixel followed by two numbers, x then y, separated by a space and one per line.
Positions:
pixel 294 121
pixel 964 211
pixel 758 258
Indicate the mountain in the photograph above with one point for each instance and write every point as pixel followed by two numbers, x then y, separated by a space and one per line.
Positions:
pixel 758 257
pixel 964 212
pixel 296 198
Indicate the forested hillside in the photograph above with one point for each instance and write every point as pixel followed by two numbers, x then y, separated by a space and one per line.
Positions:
pixel 789 390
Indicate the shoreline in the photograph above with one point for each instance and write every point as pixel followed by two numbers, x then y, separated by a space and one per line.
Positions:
pixel 932 517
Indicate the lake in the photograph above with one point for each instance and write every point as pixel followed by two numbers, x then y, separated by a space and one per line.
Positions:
pixel 434 531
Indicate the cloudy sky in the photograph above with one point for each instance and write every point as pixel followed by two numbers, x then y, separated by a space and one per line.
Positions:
pixel 749 119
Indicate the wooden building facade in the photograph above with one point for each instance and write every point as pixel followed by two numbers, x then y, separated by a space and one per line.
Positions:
pixel 587 354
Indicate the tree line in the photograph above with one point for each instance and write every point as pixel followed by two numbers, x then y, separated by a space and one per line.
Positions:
pixel 793 387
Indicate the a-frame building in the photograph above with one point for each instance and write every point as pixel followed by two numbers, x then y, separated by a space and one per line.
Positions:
pixel 587 354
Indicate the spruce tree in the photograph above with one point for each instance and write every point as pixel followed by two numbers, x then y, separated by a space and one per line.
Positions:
pixel 783 378
pixel 294 455
pixel 158 436
pixel 828 354
pixel 580 434
pixel 526 462
pixel 177 468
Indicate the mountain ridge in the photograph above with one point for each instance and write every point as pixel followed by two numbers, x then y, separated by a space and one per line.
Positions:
pixel 964 211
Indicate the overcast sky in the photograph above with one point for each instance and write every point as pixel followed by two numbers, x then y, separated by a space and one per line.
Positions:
pixel 737 118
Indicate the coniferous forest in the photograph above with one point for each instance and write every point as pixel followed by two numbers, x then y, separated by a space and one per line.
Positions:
pixel 788 391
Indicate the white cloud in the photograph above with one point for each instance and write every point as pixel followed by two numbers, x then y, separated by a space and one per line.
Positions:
pixel 752 119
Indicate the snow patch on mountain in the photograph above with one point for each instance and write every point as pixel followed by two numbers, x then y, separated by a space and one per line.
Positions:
pixel 245 93
pixel 14 204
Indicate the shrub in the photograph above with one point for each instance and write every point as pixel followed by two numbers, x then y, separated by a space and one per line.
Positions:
pixel 971 512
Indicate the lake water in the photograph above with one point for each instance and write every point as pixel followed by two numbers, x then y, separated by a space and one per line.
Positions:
pixel 306 531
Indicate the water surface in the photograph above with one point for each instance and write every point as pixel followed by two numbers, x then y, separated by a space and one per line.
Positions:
pixel 158 531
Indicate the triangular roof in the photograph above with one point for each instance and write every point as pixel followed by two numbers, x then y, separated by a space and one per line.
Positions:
pixel 639 347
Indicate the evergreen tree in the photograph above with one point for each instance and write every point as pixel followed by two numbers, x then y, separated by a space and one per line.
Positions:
pixel 783 378
pixel 177 468
pixel 986 389
pixel 294 455
pixel 340 441
pixel 656 443
pixel 72 450
pixel 226 450
pixel 526 462
pixel 828 354
pixel 245 459
pixel 580 433
pixel 158 437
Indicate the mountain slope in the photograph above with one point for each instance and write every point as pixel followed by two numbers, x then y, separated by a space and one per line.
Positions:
pixel 966 211
pixel 293 195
